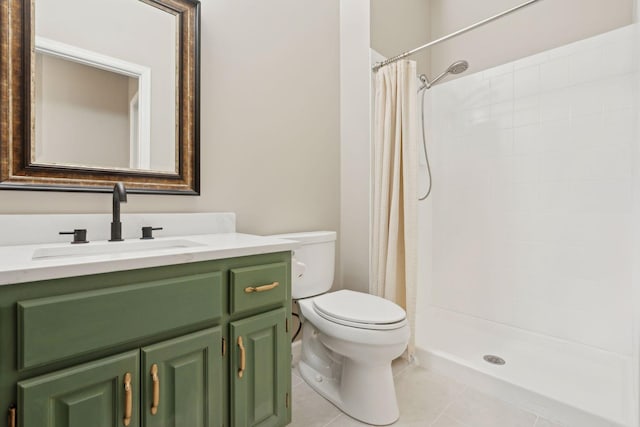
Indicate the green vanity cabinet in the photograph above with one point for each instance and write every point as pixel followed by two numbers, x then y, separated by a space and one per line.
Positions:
pixel 261 374
pixel 153 347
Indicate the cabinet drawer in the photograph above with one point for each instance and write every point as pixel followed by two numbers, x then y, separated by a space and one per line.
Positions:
pixel 258 286
pixel 54 328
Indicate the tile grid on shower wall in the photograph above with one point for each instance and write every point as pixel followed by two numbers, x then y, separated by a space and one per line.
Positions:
pixel 532 201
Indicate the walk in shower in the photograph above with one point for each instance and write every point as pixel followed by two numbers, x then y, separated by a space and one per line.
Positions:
pixel 530 238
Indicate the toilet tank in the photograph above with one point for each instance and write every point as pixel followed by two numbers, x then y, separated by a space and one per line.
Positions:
pixel 317 252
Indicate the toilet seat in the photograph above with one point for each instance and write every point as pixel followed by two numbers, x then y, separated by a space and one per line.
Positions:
pixel 359 310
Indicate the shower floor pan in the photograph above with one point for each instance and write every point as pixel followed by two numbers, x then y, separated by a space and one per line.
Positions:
pixel 572 383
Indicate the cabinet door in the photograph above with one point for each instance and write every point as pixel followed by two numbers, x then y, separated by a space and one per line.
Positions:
pixel 93 394
pixel 260 370
pixel 185 374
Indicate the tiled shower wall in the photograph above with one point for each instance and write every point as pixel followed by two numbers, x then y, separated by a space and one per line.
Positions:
pixel 532 213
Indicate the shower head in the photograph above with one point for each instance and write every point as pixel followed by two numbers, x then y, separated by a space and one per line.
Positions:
pixel 455 68
pixel 458 67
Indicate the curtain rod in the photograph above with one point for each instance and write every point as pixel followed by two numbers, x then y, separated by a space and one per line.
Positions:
pixel 378 65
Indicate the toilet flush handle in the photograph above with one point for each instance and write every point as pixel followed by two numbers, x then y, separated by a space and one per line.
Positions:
pixel 298 268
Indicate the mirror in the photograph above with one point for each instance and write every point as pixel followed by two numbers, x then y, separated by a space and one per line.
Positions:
pixel 111 95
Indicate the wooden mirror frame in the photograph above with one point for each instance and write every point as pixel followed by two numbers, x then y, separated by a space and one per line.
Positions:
pixel 17 172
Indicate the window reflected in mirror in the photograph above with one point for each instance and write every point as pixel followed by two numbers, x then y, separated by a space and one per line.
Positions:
pixel 100 103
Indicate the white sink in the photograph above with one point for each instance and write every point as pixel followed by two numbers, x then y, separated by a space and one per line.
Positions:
pixel 108 248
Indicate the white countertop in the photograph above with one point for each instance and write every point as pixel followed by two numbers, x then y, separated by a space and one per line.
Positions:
pixel 18 265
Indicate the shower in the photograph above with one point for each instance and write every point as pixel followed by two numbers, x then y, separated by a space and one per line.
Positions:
pixel 455 68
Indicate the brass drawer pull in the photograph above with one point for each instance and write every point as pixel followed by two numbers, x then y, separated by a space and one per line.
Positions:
pixel 262 288
pixel 156 389
pixel 12 417
pixel 128 399
pixel 243 359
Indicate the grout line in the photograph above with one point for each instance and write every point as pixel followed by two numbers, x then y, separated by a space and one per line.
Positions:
pixel 408 368
pixel 453 399
pixel 398 373
pixel 293 387
pixel 511 404
pixel 333 419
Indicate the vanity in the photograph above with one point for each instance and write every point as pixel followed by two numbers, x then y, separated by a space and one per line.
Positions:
pixel 190 328
pixel 182 330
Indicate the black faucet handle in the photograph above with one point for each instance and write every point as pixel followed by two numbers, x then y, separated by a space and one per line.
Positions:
pixel 147 232
pixel 79 235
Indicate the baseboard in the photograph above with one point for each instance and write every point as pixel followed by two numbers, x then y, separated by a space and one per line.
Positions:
pixel 509 392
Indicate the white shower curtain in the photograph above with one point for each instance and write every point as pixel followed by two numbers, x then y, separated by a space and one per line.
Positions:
pixel 395 197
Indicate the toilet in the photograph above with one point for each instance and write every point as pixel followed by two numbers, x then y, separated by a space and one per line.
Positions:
pixel 349 339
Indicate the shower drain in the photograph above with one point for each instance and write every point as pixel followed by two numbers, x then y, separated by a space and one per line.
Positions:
pixel 494 359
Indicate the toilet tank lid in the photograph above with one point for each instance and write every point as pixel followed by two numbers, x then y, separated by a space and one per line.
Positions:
pixel 306 237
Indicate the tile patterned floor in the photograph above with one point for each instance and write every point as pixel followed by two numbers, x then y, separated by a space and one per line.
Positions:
pixel 425 399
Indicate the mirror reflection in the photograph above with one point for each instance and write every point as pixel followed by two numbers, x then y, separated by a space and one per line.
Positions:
pixel 105 85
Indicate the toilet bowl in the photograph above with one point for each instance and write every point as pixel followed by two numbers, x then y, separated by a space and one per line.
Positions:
pixel 349 339
pixel 350 364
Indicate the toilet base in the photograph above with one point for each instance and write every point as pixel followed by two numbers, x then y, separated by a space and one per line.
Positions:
pixel 364 392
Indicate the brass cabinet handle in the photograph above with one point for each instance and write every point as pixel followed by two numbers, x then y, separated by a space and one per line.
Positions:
pixel 262 288
pixel 243 360
pixel 156 389
pixel 12 417
pixel 128 399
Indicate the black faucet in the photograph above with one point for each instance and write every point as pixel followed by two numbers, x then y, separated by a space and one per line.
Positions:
pixel 119 196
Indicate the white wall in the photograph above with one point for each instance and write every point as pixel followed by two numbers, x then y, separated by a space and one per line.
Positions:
pixel 270 143
pixel 355 156
pixel 544 25
pixel 533 218
pixel 539 27
pixel 397 27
